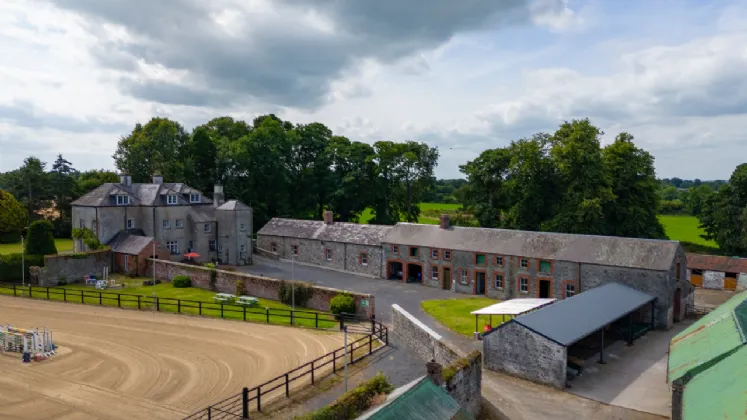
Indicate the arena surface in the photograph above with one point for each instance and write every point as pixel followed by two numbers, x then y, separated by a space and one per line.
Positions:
pixel 126 364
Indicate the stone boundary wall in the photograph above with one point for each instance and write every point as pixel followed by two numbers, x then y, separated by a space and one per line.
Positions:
pixel 73 267
pixel 261 287
pixel 465 386
pixel 266 253
pixel 424 341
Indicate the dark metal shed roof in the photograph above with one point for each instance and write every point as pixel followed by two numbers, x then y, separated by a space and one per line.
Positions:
pixel 572 319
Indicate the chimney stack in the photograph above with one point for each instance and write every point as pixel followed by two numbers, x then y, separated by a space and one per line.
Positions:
pixel 125 180
pixel 329 217
pixel 435 372
pixel 218 197
pixel 443 221
pixel 157 179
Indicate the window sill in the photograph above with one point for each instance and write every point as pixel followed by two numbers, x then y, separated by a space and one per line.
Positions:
pixel 365 265
pixel 525 292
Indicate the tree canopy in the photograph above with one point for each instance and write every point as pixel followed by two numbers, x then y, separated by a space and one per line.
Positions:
pixel 13 217
pixel 724 214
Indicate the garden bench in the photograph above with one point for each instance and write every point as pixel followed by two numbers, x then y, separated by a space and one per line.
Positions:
pixel 224 297
pixel 247 301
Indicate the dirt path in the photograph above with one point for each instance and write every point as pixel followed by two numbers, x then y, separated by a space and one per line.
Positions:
pixel 125 364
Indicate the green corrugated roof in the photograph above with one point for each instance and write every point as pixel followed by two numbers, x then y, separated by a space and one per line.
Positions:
pixel 705 342
pixel 719 392
pixel 422 400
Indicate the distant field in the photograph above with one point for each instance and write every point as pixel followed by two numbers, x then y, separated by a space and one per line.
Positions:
pixel 684 228
pixel 63 245
pixel 428 212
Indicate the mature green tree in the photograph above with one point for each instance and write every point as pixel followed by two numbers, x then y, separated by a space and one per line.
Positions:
pixel 485 192
pixel 696 198
pixel 40 240
pixel 13 217
pixel 64 188
pixel 159 146
pixel 200 160
pixel 387 189
pixel 632 176
pixel 353 174
pixel 724 216
pixel 586 191
pixel 30 185
pixel 223 131
pixel 416 173
pixel 90 180
pixel 310 166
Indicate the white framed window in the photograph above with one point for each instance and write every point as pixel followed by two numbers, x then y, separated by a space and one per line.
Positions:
pixel 434 272
pixel 464 276
pixel 364 258
pixel 208 228
pixel 294 249
pixel 173 247
pixel 570 290
pixel 166 224
pixel 328 254
pixel 123 200
pixel 524 263
pixel 212 245
pixel 434 253
pixel 242 248
pixel 172 199
pixel 242 228
pixel 130 223
pixel 524 285
pixel 274 247
pixel 179 223
pixel 498 260
pixel 499 281
pixel 194 198
pixel 447 255
pixel 395 249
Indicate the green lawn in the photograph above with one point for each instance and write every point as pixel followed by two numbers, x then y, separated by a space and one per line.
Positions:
pixel 428 212
pixel 455 313
pixel 684 228
pixel 167 295
pixel 63 245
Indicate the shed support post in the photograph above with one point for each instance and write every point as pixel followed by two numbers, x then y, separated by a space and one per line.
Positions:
pixel 653 312
pixel 630 329
pixel 476 330
pixel 601 350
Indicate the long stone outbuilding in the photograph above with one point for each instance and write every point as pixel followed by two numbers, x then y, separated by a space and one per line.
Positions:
pixel 498 263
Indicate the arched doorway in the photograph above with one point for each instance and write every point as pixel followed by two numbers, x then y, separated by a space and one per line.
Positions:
pixel 677 304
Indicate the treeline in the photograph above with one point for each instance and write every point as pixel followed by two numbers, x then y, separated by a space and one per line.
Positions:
pixel 566 182
pixel 34 192
pixel 445 191
pixel 724 214
pixel 685 196
pixel 284 169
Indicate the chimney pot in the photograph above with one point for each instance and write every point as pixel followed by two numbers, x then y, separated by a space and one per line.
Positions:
pixel 125 180
pixel 218 197
pixel 329 217
pixel 157 179
pixel 435 371
pixel 444 222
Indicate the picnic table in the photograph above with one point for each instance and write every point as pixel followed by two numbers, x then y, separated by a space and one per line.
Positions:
pixel 224 297
pixel 247 300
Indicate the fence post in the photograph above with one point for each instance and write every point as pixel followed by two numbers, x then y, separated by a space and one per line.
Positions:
pixel 292 314
pixel 158 305
pixel 342 321
pixel 14 290
pixel 64 295
pixel 316 321
pixel 100 299
pixel 386 334
pixel 312 372
pixel 221 309
pixel 267 310
pixel 334 361
pixel 178 306
pixel 244 312
pixel 259 398
pixel 81 297
pixel 352 358
pixel 30 290
pixel 370 344
pixel 47 293
pixel 210 413
pixel 245 403
pixel 119 300
pixel 199 307
pixel 138 301
pixel 287 389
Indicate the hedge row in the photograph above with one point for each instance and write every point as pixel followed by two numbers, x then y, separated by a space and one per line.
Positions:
pixel 10 266
pixel 351 404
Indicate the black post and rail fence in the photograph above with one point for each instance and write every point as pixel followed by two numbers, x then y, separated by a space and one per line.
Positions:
pixel 238 406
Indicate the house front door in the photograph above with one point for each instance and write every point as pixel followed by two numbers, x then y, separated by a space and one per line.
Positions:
pixel 480 283
pixel 447 278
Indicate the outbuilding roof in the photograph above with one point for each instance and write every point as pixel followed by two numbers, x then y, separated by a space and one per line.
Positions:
pixel 234 205
pixel 140 194
pixel 126 243
pixel 572 319
pixel 353 233
pixel 419 400
pixel 716 263
pixel 719 392
pixel 513 306
pixel 648 254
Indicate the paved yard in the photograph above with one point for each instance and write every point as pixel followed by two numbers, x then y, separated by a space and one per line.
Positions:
pixel 633 377
pixel 711 298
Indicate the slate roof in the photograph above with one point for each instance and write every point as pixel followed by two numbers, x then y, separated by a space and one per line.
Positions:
pixel 140 194
pixel 352 233
pixel 648 254
pixel 421 399
pixel 572 319
pixel 126 243
pixel 202 214
pixel 708 339
pixel 717 263
pixel 234 205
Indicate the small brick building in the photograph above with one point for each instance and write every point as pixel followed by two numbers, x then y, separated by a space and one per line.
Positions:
pixel 130 253
pixel 717 272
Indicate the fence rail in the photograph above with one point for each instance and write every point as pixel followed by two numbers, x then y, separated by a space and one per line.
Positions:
pixel 321 320
pixel 697 311
pixel 239 405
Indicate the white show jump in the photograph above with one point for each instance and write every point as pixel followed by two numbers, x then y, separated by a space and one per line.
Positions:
pixel 511 308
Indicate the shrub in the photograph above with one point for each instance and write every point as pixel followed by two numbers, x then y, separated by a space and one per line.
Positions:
pixel 181 281
pixel 10 266
pixel 89 238
pixel 354 402
pixel 40 240
pixel 240 287
pixel 210 265
pixel 62 281
pixel 13 217
pixel 302 292
pixel 460 364
pixel 342 303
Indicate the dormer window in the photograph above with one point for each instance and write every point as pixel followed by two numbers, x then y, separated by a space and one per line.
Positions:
pixel 194 198
pixel 123 200
pixel 171 199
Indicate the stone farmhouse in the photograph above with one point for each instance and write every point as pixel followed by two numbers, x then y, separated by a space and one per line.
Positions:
pixel 179 217
pixel 498 263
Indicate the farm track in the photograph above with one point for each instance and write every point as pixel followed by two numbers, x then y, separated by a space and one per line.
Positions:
pixel 124 364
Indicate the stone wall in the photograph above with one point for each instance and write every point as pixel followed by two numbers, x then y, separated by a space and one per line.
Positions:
pixel 261 287
pixel 425 342
pixel 514 349
pixel 713 280
pixel 465 386
pixel 74 267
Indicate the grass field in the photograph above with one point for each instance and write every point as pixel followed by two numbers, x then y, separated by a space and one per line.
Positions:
pixel 684 228
pixel 165 291
pixel 455 313
pixel 63 245
pixel 428 212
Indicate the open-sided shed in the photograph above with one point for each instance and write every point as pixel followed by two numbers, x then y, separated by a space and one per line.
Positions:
pixel 554 341
pixel 510 308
